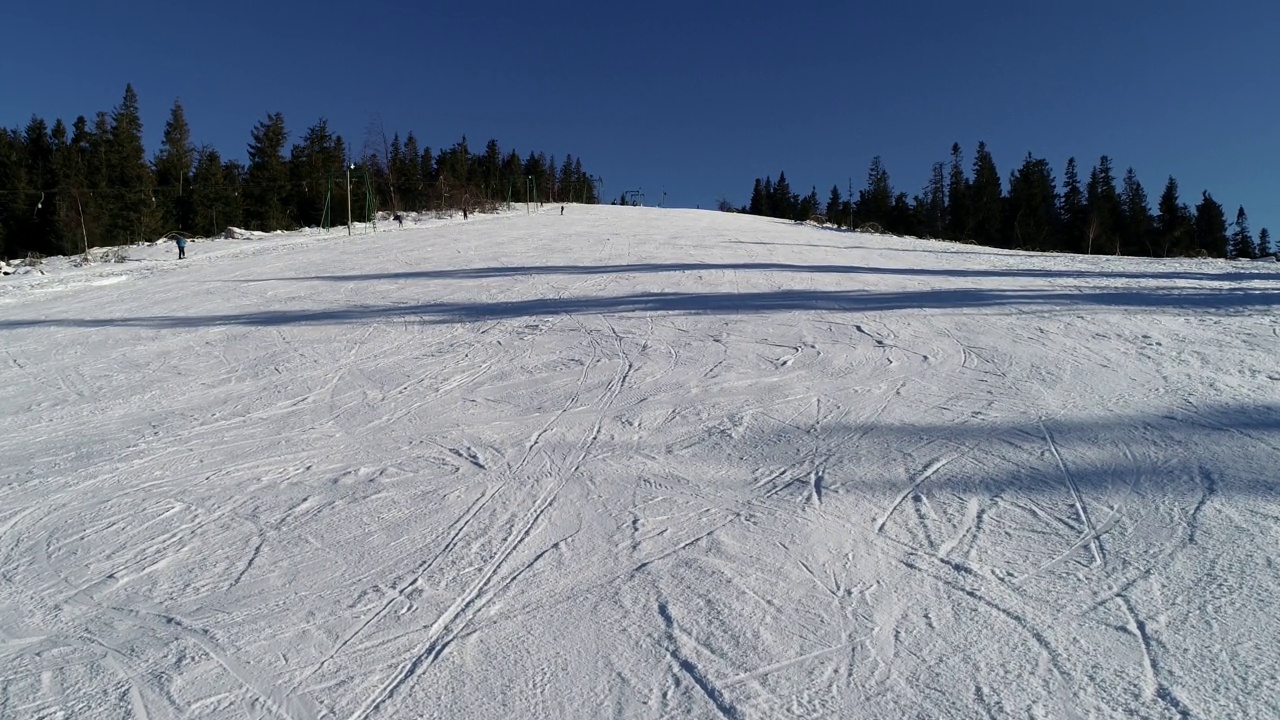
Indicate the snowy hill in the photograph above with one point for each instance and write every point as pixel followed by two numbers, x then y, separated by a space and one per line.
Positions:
pixel 638 463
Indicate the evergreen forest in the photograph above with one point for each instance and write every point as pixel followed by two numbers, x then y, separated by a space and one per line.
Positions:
pixel 967 202
pixel 66 189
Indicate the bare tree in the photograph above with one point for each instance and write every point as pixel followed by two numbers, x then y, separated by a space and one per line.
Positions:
pixel 1095 223
pixel 377 148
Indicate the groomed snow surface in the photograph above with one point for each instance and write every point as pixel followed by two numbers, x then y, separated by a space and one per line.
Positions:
pixel 638 463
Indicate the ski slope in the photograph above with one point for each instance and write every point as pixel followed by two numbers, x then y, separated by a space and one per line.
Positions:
pixel 638 463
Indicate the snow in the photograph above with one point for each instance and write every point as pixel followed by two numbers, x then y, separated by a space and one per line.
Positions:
pixel 637 463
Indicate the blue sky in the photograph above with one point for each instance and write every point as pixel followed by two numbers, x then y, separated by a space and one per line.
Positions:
pixel 699 98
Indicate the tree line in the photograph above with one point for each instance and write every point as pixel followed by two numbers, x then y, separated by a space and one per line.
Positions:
pixel 968 203
pixel 64 190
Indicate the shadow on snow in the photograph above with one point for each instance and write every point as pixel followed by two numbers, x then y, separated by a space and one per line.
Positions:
pixel 777 267
pixel 778 301
pixel 1205 450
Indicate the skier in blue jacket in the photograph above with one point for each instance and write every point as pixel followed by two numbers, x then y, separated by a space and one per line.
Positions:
pixel 182 246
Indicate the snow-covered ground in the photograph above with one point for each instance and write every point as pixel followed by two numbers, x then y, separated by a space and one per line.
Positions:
pixel 638 463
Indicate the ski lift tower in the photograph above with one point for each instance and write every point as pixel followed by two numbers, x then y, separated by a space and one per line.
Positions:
pixel 350 167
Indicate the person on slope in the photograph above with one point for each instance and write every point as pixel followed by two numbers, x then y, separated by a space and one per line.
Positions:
pixel 182 246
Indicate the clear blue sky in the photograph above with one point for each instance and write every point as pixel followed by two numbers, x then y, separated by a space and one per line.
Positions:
pixel 699 98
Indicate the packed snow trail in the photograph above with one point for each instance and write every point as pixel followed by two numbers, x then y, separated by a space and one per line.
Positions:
pixel 639 464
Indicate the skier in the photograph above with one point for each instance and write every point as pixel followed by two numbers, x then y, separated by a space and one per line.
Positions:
pixel 399 219
pixel 562 210
pixel 182 246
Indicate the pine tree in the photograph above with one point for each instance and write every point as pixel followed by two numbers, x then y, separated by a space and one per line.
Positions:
pixel 901 216
pixel 173 166
pixel 491 164
pixel 833 205
pixel 1072 211
pixel 1174 231
pixel 985 200
pixel 566 182
pixel 405 169
pixel 267 180
pixel 534 166
pixel 315 166
pixel 393 195
pixel 215 202
pixel 782 202
pixel 343 157
pixel 1103 208
pixel 234 175
pixel 810 205
pixel 41 229
pixel 206 181
pixel 1210 227
pixel 69 176
pixel 80 181
pixel 1264 243
pixel 13 193
pixel 933 205
pixel 756 205
pixel 98 140
pixel 453 166
pixel 545 180
pixel 1137 220
pixel 429 177
pixel 132 207
pixel 1242 240
pixel 918 225
pixel 1033 205
pixel 411 174
pixel 589 188
pixel 957 197
pixel 371 169
pixel 513 178
pixel 550 184
pixel 875 203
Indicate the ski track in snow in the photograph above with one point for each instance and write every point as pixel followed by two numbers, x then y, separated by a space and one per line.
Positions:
pixel 451 471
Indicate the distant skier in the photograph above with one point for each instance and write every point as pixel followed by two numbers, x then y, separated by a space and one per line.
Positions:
pixel 562 210
pixel 399 219
pixel 182 247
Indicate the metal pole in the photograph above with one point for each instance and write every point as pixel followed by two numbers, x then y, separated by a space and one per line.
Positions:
pixel 850 199
pixel 370 216
pixel 350 167
pixel 83 231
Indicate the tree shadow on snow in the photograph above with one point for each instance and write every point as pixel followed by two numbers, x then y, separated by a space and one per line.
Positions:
pixel 1162 299
pixel 1226 449
pixel 480 273
pixel 945 251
